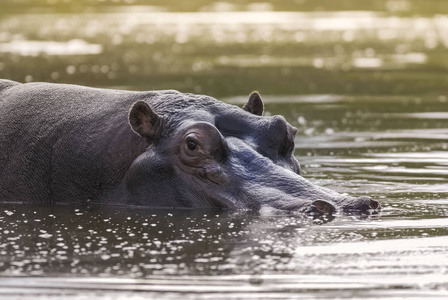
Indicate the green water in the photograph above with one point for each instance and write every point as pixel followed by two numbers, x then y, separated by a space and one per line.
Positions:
pixel 394 47
pixel 365 83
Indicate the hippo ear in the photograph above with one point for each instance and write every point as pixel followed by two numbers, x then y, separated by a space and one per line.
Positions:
pixel 145 121
pixel 255 104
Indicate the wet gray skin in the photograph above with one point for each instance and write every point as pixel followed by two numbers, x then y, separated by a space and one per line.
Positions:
pixel 65 144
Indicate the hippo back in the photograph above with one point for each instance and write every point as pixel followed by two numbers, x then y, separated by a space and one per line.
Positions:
pixel 63 139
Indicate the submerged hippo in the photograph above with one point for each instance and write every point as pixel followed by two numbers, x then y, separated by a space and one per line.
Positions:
pixel 73 144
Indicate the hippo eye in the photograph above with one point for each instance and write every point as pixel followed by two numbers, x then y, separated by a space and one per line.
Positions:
pixel 192 145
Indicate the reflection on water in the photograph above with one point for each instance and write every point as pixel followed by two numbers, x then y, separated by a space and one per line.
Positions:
pixel 36 48
pixel 128 251
pixel 222 50
pixel 312 60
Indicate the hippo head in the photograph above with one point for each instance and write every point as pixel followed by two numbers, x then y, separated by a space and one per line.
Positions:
pixel 205 153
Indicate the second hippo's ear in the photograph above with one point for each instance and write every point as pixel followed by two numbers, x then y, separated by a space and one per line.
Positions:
pixel 255 104
pixel 145 121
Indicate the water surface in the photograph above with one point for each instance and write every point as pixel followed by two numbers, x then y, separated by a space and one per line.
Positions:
pixel 366 86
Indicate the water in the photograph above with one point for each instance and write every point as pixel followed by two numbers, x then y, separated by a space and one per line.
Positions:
pixel 366 86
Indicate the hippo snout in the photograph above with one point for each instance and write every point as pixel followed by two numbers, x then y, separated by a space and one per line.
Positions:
pixel 366 203
pixel 360 204
pixel 350 204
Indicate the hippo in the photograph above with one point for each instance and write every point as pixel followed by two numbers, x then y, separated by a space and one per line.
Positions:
pixel 62 143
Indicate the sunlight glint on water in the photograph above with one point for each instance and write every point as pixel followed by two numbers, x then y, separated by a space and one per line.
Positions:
pixel 390 143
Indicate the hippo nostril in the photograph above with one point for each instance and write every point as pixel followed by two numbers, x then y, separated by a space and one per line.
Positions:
pixel 365 202
pixel 374 204
pixel 324 206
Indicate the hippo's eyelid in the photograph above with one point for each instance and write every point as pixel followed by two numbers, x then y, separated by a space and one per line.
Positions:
pixel 190 138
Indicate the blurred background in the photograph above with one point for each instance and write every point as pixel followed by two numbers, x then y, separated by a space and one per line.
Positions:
pixel 229 48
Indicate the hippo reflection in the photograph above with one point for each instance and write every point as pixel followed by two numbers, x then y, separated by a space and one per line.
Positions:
pixel 65 143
